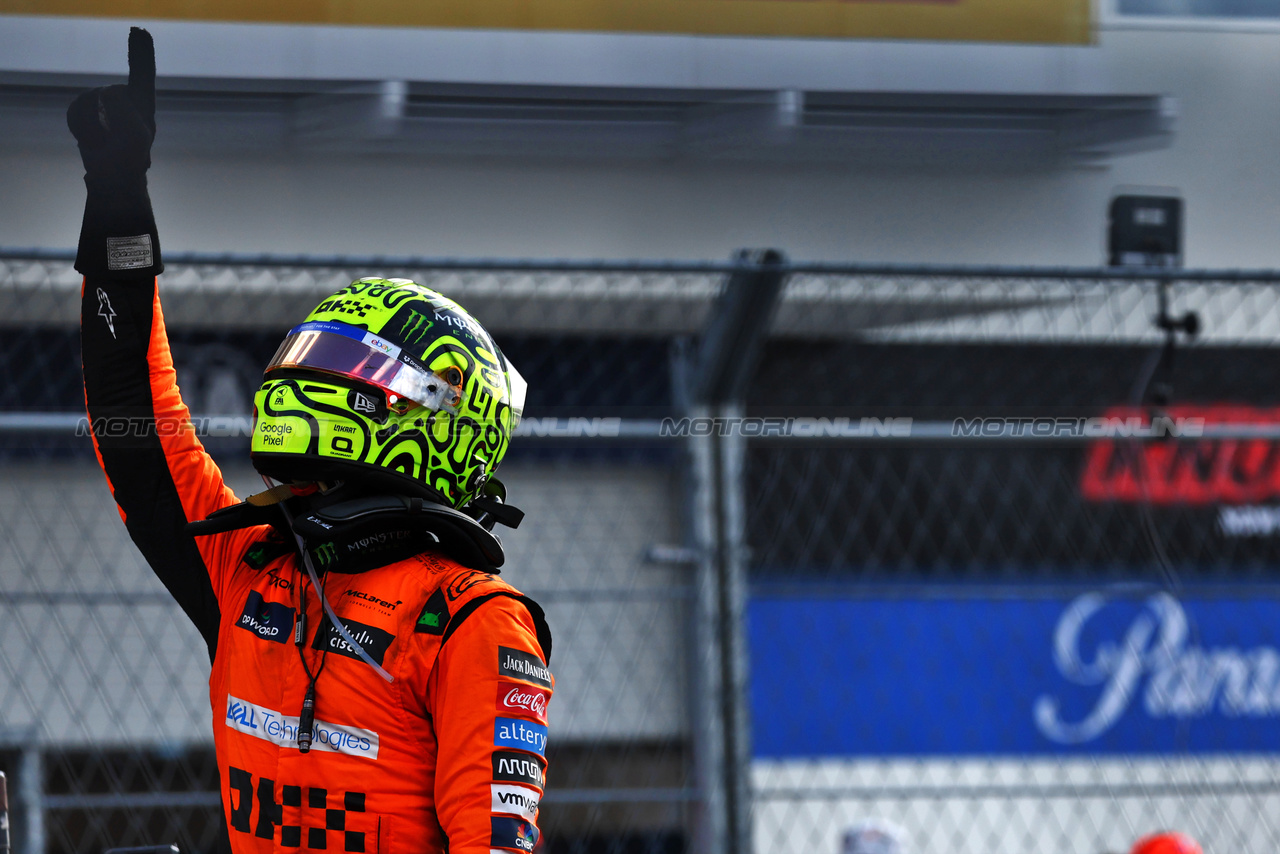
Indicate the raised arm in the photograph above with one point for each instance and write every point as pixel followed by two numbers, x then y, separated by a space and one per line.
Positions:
pixel 158 471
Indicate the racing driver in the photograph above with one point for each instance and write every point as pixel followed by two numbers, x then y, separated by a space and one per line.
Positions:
pixel 375 686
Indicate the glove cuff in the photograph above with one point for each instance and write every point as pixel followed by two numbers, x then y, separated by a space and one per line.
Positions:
pixel 118 237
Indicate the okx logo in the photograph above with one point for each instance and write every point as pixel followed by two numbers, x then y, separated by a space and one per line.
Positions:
pixel 414 327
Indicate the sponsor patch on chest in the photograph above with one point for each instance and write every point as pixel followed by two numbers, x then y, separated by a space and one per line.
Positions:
pixel 282 730
pixel 271 621
pixel 370 601
pixel 374 640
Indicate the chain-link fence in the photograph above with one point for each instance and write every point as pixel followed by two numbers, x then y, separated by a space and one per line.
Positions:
pixel 1004 579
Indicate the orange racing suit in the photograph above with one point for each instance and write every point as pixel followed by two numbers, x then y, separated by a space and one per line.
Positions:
pixel 447 757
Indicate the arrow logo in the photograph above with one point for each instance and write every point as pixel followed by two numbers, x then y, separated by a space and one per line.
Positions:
pixel 106 312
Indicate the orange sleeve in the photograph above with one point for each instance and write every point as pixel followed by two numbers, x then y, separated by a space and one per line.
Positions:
pixel 197 477
pixel 488 696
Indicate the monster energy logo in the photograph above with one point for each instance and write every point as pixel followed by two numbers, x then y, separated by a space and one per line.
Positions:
pixel 327 553
pixel 414 327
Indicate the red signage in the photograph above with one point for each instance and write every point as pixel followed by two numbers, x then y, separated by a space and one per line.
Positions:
pixel 523 700
pixel 1179 470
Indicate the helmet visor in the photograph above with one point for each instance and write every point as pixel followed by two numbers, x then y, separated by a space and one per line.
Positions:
pixel 349 351
pixel 336 348
pixel 519 388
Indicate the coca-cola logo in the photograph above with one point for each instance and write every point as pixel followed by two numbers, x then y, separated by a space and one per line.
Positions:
pixel 526 699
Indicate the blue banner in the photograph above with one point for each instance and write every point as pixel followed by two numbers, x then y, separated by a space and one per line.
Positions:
pixel 1089 671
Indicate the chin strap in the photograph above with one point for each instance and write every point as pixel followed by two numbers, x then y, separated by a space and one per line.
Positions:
pixel 348 533
pixel 324 600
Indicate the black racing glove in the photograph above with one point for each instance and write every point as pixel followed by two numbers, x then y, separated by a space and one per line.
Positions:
pixel 114 126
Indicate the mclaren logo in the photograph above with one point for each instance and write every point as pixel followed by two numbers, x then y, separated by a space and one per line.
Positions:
pixel 415 326
pixel 373 600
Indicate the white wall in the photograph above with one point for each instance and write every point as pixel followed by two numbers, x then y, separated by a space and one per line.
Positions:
pixel 1223 159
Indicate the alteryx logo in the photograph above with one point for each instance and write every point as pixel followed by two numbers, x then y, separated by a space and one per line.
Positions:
pixel 522 735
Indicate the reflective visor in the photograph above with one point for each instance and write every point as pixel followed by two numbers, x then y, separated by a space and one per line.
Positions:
pixel 348 351
pixel 519 388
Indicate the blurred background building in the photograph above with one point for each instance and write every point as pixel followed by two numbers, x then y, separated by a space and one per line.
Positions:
pixel 311 137
pixel 995 641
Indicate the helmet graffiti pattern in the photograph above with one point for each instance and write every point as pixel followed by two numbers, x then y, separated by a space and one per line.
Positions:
pixel 391 383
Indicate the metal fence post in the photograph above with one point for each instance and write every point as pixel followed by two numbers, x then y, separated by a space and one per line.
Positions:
pixel 31 796
pixel 710 834
pixel 732 570
pixel 722 744
pixel 727 354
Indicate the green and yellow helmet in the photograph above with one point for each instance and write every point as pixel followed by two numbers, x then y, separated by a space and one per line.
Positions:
pixel 391 385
